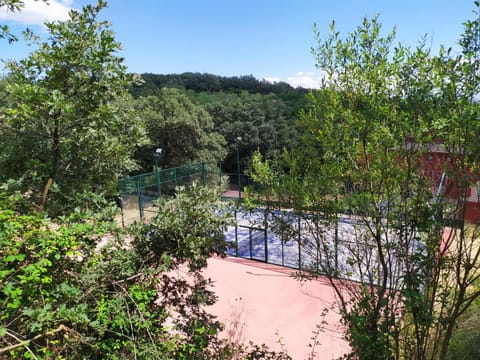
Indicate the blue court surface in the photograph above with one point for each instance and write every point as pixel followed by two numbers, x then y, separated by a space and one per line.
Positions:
pixel 284 239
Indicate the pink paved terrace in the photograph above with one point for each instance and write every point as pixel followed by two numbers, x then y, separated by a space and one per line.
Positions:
pixel 274 306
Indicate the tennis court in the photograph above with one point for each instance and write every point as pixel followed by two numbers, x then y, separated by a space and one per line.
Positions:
pixel 275 237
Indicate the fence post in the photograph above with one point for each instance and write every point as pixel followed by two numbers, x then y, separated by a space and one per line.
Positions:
pixel 219 165
pixel 299 245
pixel 189 174
pixel 282 239
pixel 159 188
pixel 336 244
pixel 140 197
pixel 250 242
pixel 317 249
pixel 236 233
pixel 121 209
pixel 265 235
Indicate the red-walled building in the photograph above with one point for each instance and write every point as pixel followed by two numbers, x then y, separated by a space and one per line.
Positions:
pixel 437 165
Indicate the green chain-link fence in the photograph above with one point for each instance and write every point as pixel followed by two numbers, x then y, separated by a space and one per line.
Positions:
pixel 138 193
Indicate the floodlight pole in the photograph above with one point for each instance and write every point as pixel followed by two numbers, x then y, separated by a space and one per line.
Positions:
pixel 156 156
pixel 237 141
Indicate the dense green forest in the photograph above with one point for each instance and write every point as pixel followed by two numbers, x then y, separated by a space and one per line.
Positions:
pixel 262 114
pixel 210 83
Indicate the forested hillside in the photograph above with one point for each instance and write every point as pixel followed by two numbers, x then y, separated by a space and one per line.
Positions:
pixel 203 82
pixel 262 114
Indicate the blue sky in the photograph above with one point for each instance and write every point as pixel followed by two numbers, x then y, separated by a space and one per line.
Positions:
pixel 268 39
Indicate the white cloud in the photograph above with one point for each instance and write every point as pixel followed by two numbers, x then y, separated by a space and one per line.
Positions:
pixel 37 12
pixel 309 80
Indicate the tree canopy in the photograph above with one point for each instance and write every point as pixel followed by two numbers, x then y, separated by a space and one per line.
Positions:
pixel 210 83
pixel 261 113
pixel 182 129
pixel 69 126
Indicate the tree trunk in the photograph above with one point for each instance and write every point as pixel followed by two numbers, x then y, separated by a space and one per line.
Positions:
pixel 55 164
pixel 43 199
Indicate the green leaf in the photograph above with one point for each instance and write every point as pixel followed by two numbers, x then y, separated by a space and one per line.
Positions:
pixel 12 258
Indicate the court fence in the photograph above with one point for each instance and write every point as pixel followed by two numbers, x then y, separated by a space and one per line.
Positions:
pixel 254 235
pixel 137 194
